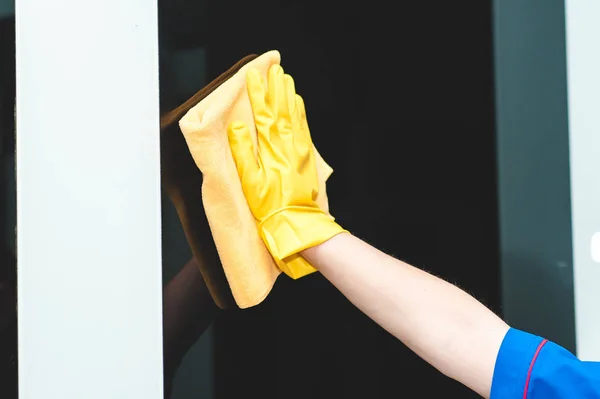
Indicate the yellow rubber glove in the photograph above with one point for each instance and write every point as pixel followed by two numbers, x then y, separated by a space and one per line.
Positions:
pixel 279 178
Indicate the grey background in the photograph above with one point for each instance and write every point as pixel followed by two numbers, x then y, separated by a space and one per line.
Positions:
pixel 533 168
pixel 7 7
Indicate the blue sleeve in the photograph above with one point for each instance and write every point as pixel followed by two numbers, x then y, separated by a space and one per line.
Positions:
pixel 529 367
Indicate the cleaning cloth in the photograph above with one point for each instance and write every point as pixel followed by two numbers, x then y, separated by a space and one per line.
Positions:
pixel 182 181
pixel 249 268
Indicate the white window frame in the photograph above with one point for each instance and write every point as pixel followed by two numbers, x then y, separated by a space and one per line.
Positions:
pixel 88 200
pixel 583 64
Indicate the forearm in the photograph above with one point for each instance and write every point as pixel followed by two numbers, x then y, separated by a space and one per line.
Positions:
pixel 441 323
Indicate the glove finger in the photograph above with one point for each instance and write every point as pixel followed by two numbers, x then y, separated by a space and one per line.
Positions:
pixel 302 140
pixel 276 92
pixel 304 132
pixel 301 112
pixel 286 99
pixel 290 94
pixel 256 87
pixel 242 150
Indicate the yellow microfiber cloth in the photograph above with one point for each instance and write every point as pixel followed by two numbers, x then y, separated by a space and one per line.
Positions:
pixel 249 268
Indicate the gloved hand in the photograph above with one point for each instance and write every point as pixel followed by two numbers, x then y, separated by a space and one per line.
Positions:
pixel 279 178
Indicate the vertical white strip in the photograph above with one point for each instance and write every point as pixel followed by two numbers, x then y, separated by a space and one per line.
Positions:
pixel 88 189
pixel 583 66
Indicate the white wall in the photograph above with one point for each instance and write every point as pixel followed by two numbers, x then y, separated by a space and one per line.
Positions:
pixel 88 200
pixel 583 66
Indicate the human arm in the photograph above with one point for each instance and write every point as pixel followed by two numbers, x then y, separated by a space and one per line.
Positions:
pixel 441 323
pixel 438 321
pixel 451 330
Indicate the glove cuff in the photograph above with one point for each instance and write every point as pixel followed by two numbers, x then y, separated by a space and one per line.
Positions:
pixel 294 229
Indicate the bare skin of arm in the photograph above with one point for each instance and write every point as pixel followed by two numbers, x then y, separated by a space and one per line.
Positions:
pixel 442 324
